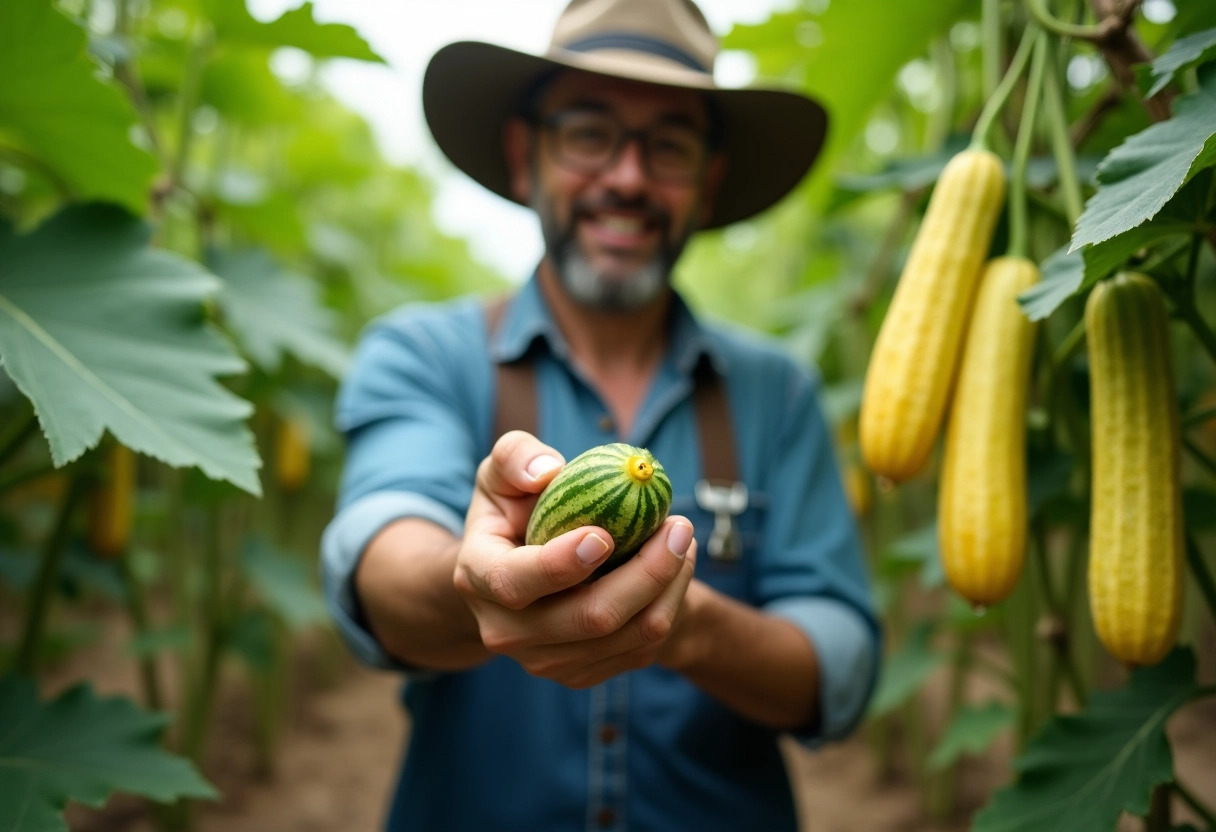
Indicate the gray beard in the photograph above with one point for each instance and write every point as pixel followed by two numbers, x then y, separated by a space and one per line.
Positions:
pixel 593 289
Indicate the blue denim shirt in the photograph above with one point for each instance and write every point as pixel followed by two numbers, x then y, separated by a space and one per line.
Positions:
pixel 493 748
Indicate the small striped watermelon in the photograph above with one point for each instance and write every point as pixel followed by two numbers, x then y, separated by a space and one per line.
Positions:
pixel 618 487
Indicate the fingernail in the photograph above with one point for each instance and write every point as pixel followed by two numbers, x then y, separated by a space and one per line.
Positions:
pixel 542 465
pixel 679 538
pixel 591 548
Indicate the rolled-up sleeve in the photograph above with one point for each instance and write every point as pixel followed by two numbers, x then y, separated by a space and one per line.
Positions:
pixel 813 570
pixel 411 450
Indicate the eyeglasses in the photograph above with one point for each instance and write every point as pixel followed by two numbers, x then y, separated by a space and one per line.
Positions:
pixel 590 142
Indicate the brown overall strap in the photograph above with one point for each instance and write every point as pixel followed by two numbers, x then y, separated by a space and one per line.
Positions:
pixel 515 382
pixel 515 406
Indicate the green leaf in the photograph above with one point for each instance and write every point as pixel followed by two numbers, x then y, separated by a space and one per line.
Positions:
pixel 54 108
pixel 284 585
pixel 101 331
pixel 971 731
pixel 81 748
pixel 295 27
pixel 1138 177
pixel 1068 273
pixel 1183 54
pixel 273 312
pixel 905 671
pixel 1061 276
pixel 1082 771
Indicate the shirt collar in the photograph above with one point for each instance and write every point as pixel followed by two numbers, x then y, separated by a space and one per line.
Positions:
pixel 527 318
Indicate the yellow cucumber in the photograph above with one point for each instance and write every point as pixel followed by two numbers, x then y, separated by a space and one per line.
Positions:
pixel 111 505
pixel 1135 554
pixel 982 497
pixel 293 454
pixel 916 353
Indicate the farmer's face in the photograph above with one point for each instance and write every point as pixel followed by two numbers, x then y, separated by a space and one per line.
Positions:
pixel 616 208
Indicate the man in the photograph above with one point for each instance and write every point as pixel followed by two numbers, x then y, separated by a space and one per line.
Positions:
pixel 652 697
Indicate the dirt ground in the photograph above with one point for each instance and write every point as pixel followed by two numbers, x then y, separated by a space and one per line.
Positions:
pixel 344 732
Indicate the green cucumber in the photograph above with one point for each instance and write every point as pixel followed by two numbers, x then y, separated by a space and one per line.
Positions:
pixel 618 487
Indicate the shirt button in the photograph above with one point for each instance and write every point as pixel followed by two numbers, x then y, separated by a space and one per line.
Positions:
pixel 605 817
pixel 608 734
pixel 605 423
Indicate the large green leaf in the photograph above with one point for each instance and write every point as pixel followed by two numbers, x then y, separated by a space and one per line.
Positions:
pixel 1067 273
pixel 295 27
pixel 56 110
pixel 1082 771
pixel 273 312
pixel 971 731
pixel 1140 176
pixel 1183 54
pixel 83 749
pixel 1061 276
pixel 101 331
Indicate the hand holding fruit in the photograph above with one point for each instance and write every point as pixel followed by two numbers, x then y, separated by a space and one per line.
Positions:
pixel 530 601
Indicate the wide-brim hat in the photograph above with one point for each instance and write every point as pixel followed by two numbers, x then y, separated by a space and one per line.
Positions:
pixel 770 136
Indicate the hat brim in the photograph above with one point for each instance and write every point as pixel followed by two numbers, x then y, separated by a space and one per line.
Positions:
pixel 770 140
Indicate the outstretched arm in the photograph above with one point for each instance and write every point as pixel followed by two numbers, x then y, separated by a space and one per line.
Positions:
pixel 437 601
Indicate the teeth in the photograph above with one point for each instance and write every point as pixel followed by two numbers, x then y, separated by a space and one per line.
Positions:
pixel 621 225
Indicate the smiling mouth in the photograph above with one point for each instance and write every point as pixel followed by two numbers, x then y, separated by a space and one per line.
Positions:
pixel 620 230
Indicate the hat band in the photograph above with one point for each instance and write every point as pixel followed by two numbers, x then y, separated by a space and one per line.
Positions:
pixel 637 43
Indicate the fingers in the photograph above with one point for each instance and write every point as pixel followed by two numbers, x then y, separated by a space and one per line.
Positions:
pixel 601 608
pixel 517 577
pixel 634 646
pixel 519 464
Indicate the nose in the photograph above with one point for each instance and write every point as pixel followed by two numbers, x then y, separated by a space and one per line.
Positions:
pixel 627 174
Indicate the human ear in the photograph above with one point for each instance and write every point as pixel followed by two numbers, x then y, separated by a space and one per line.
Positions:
pixel 517 146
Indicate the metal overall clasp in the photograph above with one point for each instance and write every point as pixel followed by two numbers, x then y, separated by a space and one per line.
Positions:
pixel 725 502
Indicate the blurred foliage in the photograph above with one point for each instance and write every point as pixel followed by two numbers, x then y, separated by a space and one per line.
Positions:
pixel 252 227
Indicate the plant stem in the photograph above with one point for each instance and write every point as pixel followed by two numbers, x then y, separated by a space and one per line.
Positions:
pixel 1038 10
pixel 1199 569
pixel 1158 818
pixel 1197 806
pixel 1061 655
pixel 939 123
pixel 203 695
pixel 1019 212
pixel 137 608
pixel 47 580
pixel 1055 390
pixel 942 794
pixel 126 72
pixel 991 22
pixel 1061 146
pixel 16 435
pixel 994 105
pixel 191 87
